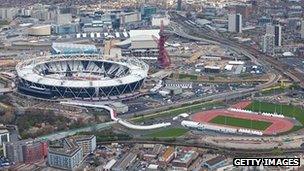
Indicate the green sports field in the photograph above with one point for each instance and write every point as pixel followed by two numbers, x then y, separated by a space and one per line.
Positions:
pixel 168 133
pixel 286 110
pixel 239 122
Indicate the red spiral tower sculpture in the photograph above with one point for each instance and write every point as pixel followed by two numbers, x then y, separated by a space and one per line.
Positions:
pixel 163 56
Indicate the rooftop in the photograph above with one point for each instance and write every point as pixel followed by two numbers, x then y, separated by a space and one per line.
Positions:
pixel 215 160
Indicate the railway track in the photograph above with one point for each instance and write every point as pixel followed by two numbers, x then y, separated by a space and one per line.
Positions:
pixel 284 69
pixel 226 151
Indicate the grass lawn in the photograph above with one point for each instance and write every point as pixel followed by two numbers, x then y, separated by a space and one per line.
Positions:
pixel 187 76
pixel 286 110
pixel 243 123
pixel 168 133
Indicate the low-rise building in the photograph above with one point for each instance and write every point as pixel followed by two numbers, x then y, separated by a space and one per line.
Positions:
pixel 215 162
pixel 184 160
pixel 120 107
pixel 109 165
pixel 168 155
pixel 126 162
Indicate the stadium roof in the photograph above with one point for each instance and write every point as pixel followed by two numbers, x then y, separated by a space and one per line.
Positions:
pixel 26 71
pixel 69 48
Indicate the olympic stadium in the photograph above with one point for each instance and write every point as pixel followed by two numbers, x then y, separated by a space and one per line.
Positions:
pixel 80 76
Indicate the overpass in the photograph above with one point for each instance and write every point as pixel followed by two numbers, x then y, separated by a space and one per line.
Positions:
pixel 114 117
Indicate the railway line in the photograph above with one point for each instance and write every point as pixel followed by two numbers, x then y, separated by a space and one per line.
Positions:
pixel 226 151
pixel 208 34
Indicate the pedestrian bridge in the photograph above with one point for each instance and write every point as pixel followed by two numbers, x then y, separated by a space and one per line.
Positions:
pixel 114 117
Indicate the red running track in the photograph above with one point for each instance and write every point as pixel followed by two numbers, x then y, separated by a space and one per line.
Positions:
pixel 241 105
pixel 278 124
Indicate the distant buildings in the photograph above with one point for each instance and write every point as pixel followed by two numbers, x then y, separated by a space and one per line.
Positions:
pixel 235 23
pixel 8 13
pixel 158 19
pixel 268 44
pixel 66 29
pixel 244 9
pixel 64 17
pixel 179 5
pixel 147 12
pixel 278 35
pixel 41 30
pixel 69 152
pixel 4 136
pixel 130 17
pixel 25 151
pixel 302 29
pixel 276 31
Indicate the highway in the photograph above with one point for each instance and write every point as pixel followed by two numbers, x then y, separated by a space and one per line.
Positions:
pixel 255 55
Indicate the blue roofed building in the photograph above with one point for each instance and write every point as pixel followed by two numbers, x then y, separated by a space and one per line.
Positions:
pixel 70 48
